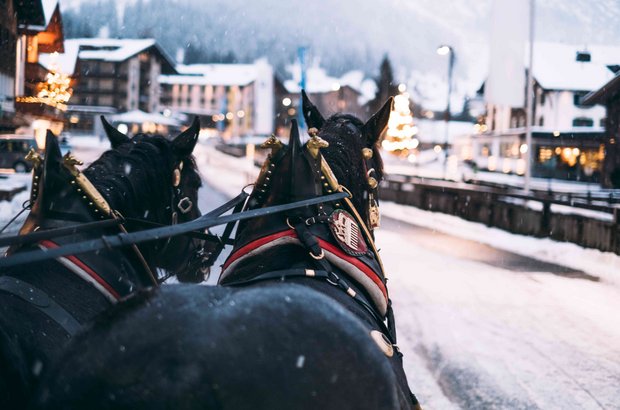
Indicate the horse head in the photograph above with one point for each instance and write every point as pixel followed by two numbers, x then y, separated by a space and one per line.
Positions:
pixel 353 153
pixel 341 155
pixel 44 304
pixel 174 201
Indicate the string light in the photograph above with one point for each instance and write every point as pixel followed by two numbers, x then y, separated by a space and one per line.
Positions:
pixel 55 91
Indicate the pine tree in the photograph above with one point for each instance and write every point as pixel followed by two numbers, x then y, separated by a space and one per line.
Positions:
pixel 386 85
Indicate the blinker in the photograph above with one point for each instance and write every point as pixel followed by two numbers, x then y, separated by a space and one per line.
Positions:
pixel 83 185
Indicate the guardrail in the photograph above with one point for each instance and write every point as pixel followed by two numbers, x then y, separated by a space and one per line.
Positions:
pixel 562 217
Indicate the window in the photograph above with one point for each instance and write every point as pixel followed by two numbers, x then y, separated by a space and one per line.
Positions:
pixel 106 85
pixel 107 68
pixel 577 97
pixel 106 100
pixel 541 121
pixel 583 122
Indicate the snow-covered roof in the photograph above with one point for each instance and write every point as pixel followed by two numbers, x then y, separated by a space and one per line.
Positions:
pixel 556 67
pixel 212 74
pixel 64 62
pixel 104 49
pixel 139 117
pixel 318 81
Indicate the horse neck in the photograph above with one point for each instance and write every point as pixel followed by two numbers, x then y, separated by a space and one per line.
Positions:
pixel 109 274
pixel 138 194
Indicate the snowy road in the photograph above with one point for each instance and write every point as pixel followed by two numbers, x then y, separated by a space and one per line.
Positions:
pixel 480 327
pixel 496 330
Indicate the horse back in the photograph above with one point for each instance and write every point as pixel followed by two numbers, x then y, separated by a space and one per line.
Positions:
pixel 277 345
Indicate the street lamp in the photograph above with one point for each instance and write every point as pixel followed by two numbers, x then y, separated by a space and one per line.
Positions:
pixel 449 51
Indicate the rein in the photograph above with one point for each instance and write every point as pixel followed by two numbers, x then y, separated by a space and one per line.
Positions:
pixel 124 239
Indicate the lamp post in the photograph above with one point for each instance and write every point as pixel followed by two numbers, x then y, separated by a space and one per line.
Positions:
pixel 449 51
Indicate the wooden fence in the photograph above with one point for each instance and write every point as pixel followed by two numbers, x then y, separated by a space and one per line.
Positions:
pixel 510 210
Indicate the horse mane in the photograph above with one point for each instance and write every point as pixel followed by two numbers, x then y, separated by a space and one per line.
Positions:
pixel 345 150
pixel 135 174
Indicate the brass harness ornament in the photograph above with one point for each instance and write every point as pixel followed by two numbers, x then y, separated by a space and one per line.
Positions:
pixel 87 190
pixel 99 205
pixel 35 158
pixel 330 183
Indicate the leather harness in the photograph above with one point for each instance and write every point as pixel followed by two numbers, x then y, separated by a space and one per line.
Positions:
pixel 307 227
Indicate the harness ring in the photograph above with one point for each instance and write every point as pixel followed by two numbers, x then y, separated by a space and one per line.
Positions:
pixel 185 205
pixel 319 256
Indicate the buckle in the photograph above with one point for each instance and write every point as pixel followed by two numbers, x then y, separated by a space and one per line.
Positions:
pixel 185 205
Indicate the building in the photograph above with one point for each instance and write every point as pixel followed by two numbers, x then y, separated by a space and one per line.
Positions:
pixel 110 75
pixel 568 136
pixel 234 99
pixel 609 96
pixel 8 36
pixel 28 28
pixel 39 110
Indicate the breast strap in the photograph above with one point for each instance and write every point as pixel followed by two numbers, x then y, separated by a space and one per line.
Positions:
pixel 41 301
pixel 364 275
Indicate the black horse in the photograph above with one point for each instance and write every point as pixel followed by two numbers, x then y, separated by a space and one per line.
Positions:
pixel 301 319
pixel 44 304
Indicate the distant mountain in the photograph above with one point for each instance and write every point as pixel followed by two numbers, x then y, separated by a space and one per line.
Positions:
pixel 343 34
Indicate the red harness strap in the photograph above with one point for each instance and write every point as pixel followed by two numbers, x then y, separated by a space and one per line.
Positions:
pixel 85 272
pixel 244 250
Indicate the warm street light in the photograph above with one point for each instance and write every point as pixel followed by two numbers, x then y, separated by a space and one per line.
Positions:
pixel 449 51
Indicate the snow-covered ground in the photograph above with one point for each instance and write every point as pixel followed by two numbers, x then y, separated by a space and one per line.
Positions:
pixel 482 323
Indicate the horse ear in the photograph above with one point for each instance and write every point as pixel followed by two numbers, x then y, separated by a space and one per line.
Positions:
pixel 53 156
pixel 374 127
pixel 51 171
pixel 294 144
pixel 294 138
pixel 116 137
pixel 184 144
pixel 311 113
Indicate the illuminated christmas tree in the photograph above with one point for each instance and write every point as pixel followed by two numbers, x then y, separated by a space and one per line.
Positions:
pixel 399 137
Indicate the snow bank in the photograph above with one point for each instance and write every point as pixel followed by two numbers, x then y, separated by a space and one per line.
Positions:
pixel 605 265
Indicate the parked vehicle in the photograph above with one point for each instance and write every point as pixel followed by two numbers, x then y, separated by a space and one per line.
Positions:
pixel 13 149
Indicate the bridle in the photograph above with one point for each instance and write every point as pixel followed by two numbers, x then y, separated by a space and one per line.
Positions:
pixel 180 203
pixel 308 230
pixel 197 256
